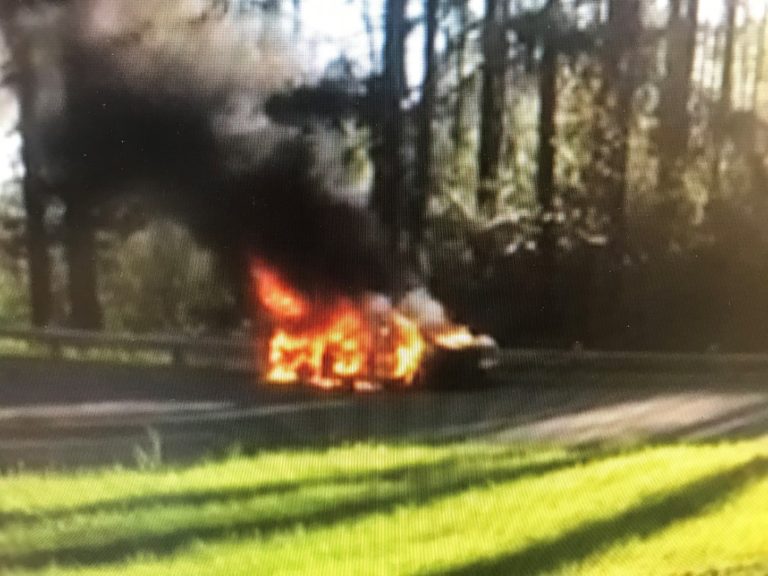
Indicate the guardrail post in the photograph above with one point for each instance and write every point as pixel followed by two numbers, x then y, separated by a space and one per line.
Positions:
pixel 54 348
pixel 178 355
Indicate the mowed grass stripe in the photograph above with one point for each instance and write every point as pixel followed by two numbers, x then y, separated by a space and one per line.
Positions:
pixel 465 509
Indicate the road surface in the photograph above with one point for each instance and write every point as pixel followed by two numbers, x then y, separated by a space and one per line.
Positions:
pixel 59 414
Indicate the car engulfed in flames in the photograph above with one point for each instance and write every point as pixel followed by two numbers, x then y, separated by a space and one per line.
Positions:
pixel 343 343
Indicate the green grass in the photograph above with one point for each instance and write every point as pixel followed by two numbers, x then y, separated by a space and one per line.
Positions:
pixel 459 509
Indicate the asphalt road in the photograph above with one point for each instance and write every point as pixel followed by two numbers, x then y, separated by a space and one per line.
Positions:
pixel 58 414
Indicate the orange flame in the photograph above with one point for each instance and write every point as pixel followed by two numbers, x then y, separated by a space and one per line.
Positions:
pixel 277 296
pixel 337 343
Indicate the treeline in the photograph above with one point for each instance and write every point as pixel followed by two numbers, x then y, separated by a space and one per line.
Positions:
pixel 562 171
pixel 601 172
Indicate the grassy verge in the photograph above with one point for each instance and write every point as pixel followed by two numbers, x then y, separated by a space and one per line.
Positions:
pixel 459 510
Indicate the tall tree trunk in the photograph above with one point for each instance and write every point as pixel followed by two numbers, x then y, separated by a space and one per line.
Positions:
pixel 713 80
pixel 624 25
pixel 390 197
pixel 80 245
pixel 726 95
pixel 85 308
pixel 743 80
pixel 724 106
pixel 545 176
pixel 425 184
pixel 33 188
pixel 38 258
pixel 611 156
pixel 459 128
pixel 492 106
pixel 621 64
pixel 759 61
pixel 676 91
pixel 387 193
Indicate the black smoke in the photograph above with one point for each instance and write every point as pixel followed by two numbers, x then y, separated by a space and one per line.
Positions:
pixel 135 99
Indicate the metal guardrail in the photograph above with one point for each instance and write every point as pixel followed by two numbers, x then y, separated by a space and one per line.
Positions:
pixel 615 360
pixel 239 352
pixel 179 350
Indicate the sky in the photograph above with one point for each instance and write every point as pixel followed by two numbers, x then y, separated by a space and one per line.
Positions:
pixel 9 140
pixel 336 26
pixel 712 11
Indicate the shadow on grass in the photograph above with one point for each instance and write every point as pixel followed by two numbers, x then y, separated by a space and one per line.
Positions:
pixel 417 485
pixel 642 521
pixel 734 423
pixel 214 496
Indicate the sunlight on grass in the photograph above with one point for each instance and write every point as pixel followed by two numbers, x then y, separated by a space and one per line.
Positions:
pixel 460 509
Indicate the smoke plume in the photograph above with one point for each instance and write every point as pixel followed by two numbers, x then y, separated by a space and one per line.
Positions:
pixel 167 99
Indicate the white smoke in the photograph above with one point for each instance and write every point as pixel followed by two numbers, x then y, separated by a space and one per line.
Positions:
pixel 188 47
pixel 343 164
pixel 422 307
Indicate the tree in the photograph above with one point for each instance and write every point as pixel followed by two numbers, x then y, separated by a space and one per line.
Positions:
pixel 550 28
pixel 26 49
pixel 620 70
pixel 388 187
pixel 33 186
pixel 676 92
pixel 493 100
pixel 723 107
pixel 85 308
pixel 157 278
pixel 459 127
pixel 464 154
pixel 425 184
pixel 545 176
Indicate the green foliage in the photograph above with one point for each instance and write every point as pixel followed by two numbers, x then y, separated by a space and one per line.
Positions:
pixel 14 307
pixel 159 279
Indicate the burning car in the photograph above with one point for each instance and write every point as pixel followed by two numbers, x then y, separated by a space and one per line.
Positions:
pixel 338 342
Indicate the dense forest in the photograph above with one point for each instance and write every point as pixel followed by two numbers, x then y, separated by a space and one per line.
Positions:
pixel 557 171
